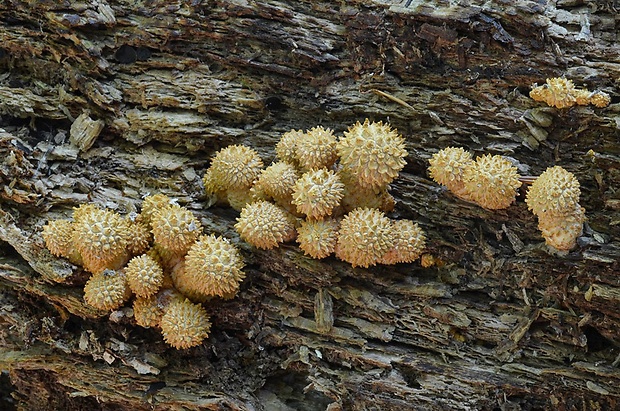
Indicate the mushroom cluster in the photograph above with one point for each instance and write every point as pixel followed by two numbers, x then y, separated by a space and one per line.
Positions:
pixel 561 93
pixel 160 256
pixel 489 181
pixel 492 181
pixel 554 198
pixel 329 193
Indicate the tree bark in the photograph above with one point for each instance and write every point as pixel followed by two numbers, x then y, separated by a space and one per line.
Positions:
pixel 105 101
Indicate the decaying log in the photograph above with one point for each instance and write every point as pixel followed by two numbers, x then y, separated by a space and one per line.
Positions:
pixel 106 101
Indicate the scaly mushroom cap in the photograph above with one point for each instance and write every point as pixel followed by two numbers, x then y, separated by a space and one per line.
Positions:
pixel 561 232
pixel 212 188
pixel 239 197
pixel 318 238
pixel 102 238
pixel 317 192
pixel 600 99
pixel 286 149
pixel 214 265
pixel 147 312
pixel 264 225
pixel 373 152
pixel 144 275
pixel 277 181
pixel 141 236
pixel 185 324
pixel 492 182
pixel 84 210
pixel 365 236
pixel 316 149
pixel 151 204
pixel 355 196
pixel 409 242
pixel 235 167
pixel 555 192
pixel 447 167
pixel 106 290
pixel 58 236
pixel 175 228
pixel 557 92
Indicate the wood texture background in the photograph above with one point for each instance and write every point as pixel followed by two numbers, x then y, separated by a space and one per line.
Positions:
pixel 499 323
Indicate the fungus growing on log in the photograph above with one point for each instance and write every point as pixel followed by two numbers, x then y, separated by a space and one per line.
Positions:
pixel 554 198
pixel 447 168
pixel 409 243
pixel 561 93
pixel 106 290
pixel 144 275
pixel 317 193
pixel 316 148
pixel 184 324
pixel 318 238
pixel 491 182
pixel 365 235
pixel 264 225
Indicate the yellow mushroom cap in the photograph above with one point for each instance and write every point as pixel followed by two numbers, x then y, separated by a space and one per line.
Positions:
pixel 365 235
pixel 175 228
pixel 106 290
pixel 447 167
pixel 213 266
pixel 102 238
pixel 277 181
pixel 317 192
pixel 555 192
pixel 151 204
pixel 58 236
pixel 264 225
pixel 316 149
pixel 557 92
pixel 84 210
pixel 373 152
pixel 600 99
pixel 561 232
pixel 185 324
pixel 144 275
pixel 235 167
pixel 141 236
pixel 318 238
pixel 409 242
pixel 147 312
pixel 491 182
pixel 286 149
pixel 355 196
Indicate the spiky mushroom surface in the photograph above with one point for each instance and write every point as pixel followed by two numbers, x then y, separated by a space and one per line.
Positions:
pixel 235 167
pixel 317 192
pixel 562 93
pixel 144 275
pixel 106 290
pixel 318 238
pixel 277 181
pixel 316 149
pixel 175 228
pixel 141 236
pixel 491 182
pixel 561 232
pixel 264 225
pixel 151 204
pixel 102 238
pixel 286 149
pixel 147 312
pixel 556 92
pixel 185 324
pixel 447 168
pixel 213 266
pixel 409 243
pixel 365 235
pixel 58 237
pixel 373 152
pixel 555 192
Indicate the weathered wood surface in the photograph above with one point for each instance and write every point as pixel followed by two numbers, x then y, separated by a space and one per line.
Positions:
pixel 498 323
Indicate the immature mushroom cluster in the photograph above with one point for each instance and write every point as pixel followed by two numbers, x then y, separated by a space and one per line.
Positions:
pixel 491 182
pixel 330 193
pixel 561 93
pixel 159 255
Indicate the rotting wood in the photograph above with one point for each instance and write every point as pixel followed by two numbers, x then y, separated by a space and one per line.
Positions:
pixel 497 322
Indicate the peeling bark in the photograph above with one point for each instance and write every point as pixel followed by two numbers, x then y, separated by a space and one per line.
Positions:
pixel 497 322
